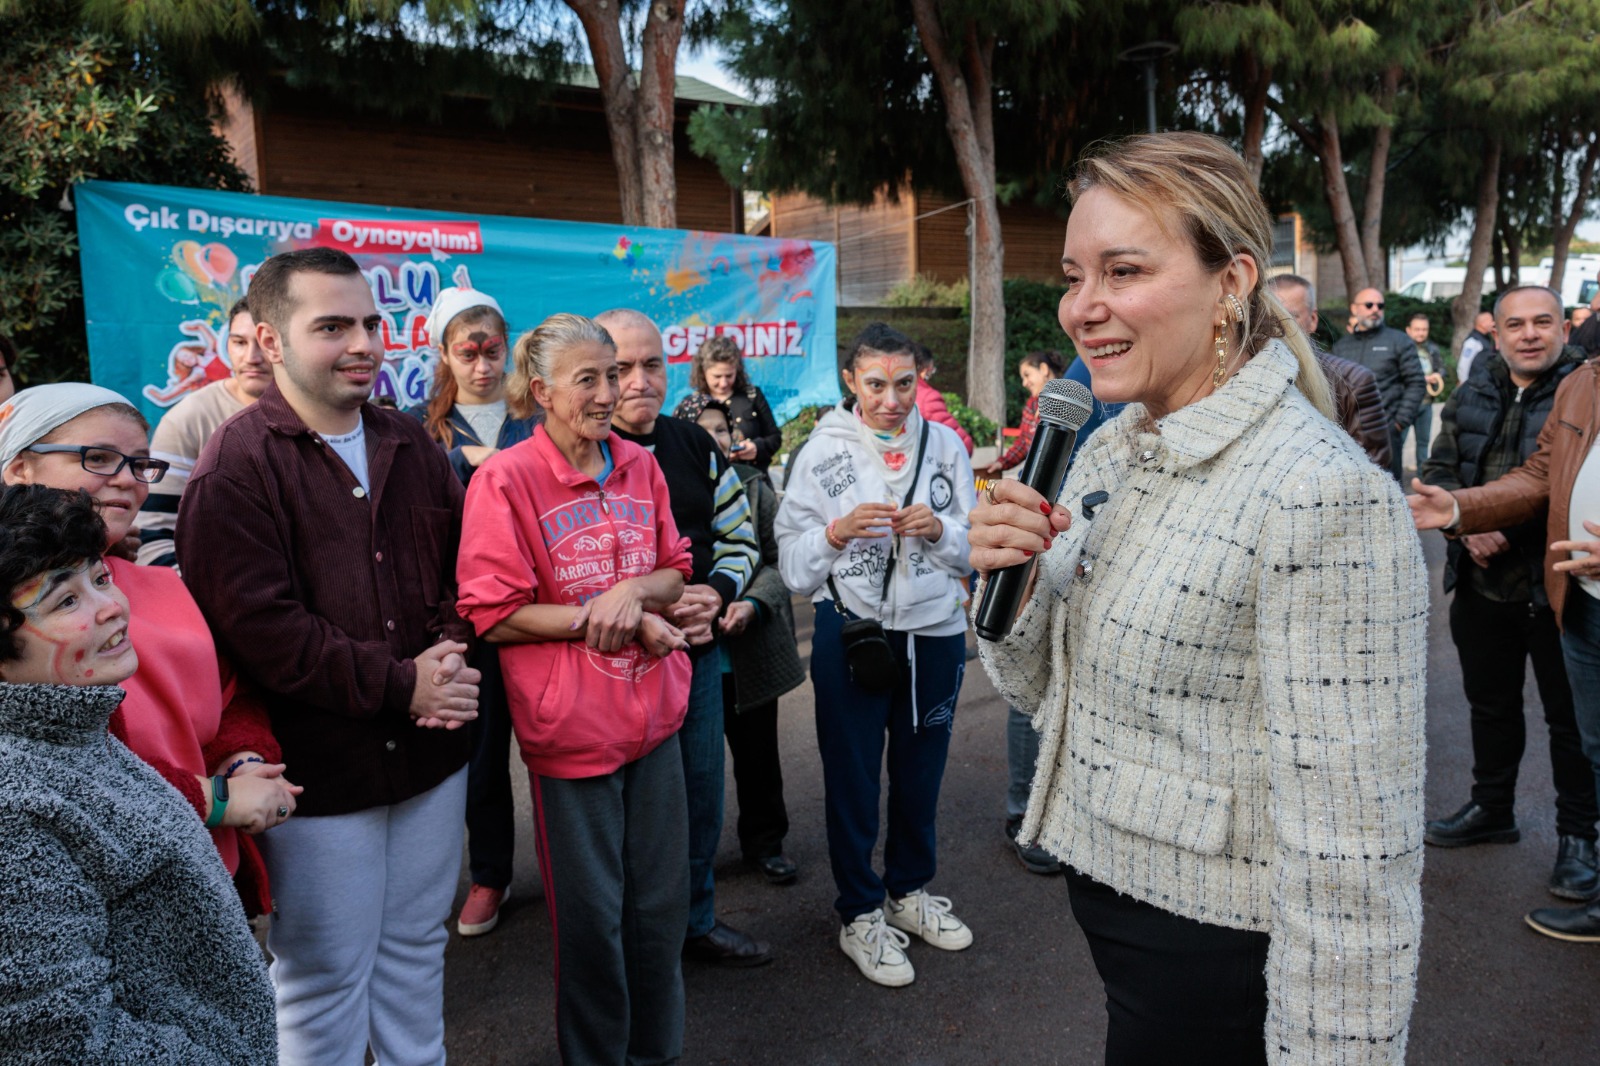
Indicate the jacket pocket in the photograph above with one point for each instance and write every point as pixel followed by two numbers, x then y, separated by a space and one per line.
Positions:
pixel 1576 429
pixel 432 540
pixel 1177 810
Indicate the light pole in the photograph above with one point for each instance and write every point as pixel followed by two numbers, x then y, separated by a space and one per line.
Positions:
pixel 1147 55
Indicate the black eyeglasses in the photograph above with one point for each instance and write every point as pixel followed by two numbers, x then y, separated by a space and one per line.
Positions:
pixel 1378 305
pixel 108 462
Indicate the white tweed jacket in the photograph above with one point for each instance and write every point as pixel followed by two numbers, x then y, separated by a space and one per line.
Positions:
pixel 1230 691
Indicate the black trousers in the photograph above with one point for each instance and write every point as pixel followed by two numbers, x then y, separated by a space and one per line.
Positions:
pixel 1177 990
pixel 1495 641
pixel 757 776
pixel 491 810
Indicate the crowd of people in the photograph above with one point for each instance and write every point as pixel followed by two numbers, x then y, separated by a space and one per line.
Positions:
pixel 301 700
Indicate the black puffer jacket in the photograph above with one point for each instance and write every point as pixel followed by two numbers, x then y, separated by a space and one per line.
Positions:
pixel 1392 358
pixel 1487 429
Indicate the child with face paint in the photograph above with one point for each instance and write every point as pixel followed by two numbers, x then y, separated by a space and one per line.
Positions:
pixel 472 418
pixel 186 713
pixel 121 938
pixel 899 563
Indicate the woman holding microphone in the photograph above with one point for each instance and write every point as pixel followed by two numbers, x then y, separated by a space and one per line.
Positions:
pixel 1226 659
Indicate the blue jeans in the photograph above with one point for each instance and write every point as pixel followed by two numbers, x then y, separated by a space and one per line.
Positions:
pixel 852 726
pixel 700 740
pixel 1580 645
pixel 1423 425
pixel 1022 751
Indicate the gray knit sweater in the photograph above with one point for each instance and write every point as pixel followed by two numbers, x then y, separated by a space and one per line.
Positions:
pixel 121 938
pixel 1230 697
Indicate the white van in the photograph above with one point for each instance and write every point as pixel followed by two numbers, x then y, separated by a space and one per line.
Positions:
pixel 1441 283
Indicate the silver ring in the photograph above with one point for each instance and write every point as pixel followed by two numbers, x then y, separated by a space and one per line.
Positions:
pixel 283 812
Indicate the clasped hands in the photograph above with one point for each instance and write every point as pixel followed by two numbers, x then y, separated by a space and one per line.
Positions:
pixel 882 519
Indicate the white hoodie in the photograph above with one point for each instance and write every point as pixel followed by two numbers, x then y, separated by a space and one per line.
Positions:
pixel 830 476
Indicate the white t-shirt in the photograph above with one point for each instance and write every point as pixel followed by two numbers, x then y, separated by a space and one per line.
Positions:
pixel 485 420
pixel 352 448
pixel 1586 504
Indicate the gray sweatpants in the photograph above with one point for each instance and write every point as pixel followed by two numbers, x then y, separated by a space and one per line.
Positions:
pixel 358 937
pixel 614 856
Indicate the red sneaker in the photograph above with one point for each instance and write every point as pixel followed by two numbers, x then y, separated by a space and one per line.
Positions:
pixel 481 913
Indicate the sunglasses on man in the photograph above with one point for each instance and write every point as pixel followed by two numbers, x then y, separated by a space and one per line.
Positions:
pixel 1369 304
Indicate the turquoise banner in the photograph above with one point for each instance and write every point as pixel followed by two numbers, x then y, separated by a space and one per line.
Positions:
pixel 162 265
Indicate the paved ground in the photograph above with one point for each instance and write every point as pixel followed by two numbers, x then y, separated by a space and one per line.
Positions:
pixel 1491 990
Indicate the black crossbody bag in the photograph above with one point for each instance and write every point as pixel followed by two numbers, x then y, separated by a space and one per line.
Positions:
pixel 867 654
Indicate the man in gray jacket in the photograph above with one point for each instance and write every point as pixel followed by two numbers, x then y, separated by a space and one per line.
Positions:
pixel 1392 358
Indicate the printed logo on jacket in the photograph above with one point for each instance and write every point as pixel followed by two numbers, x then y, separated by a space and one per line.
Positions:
pixel 595 542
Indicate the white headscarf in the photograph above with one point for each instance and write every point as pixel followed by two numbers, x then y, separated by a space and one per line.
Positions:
pixel 449 305
pixel 33 413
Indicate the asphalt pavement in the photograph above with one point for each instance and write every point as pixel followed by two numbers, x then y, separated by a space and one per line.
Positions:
pixel 1491 991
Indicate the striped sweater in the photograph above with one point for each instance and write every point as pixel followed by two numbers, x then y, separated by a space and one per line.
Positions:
pixel 1227 666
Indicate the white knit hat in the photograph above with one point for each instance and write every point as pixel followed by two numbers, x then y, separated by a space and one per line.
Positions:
pixel 33 414
pixel 452 302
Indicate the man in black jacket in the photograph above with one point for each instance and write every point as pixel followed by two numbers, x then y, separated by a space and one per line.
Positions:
pixel 711 510
pixel 1392 358
pixel 1501 616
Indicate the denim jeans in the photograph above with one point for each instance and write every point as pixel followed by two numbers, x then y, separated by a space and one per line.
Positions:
pixel 854 727
pixel 700 740
pixel 1022 751
pixel 1423 428
pixel 1580 644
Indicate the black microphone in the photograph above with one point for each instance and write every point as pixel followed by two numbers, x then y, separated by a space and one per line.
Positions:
pixel 1064 406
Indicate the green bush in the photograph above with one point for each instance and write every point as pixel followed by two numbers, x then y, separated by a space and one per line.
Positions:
pixel 1032 324
pixel 798 428
pixel 925 290
pixel 982 430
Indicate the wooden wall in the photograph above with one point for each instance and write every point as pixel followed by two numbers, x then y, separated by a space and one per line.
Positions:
pixel 881 246
pixel 876 243
pixel 558 168
pixel 1032 236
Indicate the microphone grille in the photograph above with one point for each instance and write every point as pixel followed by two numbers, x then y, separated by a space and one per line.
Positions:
pixel 1065 403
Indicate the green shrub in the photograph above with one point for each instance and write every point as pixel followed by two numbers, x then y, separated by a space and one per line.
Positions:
pixel 925 290
pixel 1032 324
pixel 798 428
pixel 982 430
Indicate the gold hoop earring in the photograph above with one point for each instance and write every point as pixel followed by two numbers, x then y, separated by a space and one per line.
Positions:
pixel 1219 375
pixel 1235 308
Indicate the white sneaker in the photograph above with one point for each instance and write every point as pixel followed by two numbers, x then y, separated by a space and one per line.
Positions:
pixel 878 951
pixel 929 917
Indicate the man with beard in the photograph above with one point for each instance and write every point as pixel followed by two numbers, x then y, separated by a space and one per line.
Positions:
pixel 1392 358
pixel 319 536
pixel 1501 615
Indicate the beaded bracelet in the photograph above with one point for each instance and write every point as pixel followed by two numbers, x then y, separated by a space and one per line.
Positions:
pixel 234 766
pixel 835 542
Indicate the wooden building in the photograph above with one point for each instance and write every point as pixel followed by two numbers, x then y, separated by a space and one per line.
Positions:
pixel 555 166
pixel 894 240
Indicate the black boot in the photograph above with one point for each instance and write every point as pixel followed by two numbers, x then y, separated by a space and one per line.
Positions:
pixel 1473 824
pixel 1575 876
pixel 1578 924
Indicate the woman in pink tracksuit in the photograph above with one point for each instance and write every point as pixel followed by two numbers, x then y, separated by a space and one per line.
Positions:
pixel 568 553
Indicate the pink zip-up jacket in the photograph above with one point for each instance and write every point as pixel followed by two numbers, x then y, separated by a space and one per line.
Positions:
pixel 538 531
pixel 931 405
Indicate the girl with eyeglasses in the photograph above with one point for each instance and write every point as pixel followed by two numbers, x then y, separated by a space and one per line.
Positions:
pixel 186 712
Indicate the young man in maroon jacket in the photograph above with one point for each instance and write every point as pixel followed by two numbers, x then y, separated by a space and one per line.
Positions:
pixel 318 534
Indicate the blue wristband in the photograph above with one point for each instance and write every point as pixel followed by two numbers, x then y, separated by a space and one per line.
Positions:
pixel 233 767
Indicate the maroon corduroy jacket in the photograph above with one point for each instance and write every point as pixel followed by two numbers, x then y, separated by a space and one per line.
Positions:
pixel 321 593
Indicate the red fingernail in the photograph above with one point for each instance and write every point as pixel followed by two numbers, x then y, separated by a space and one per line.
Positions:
pixel 1045 508
pixel 1029 554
